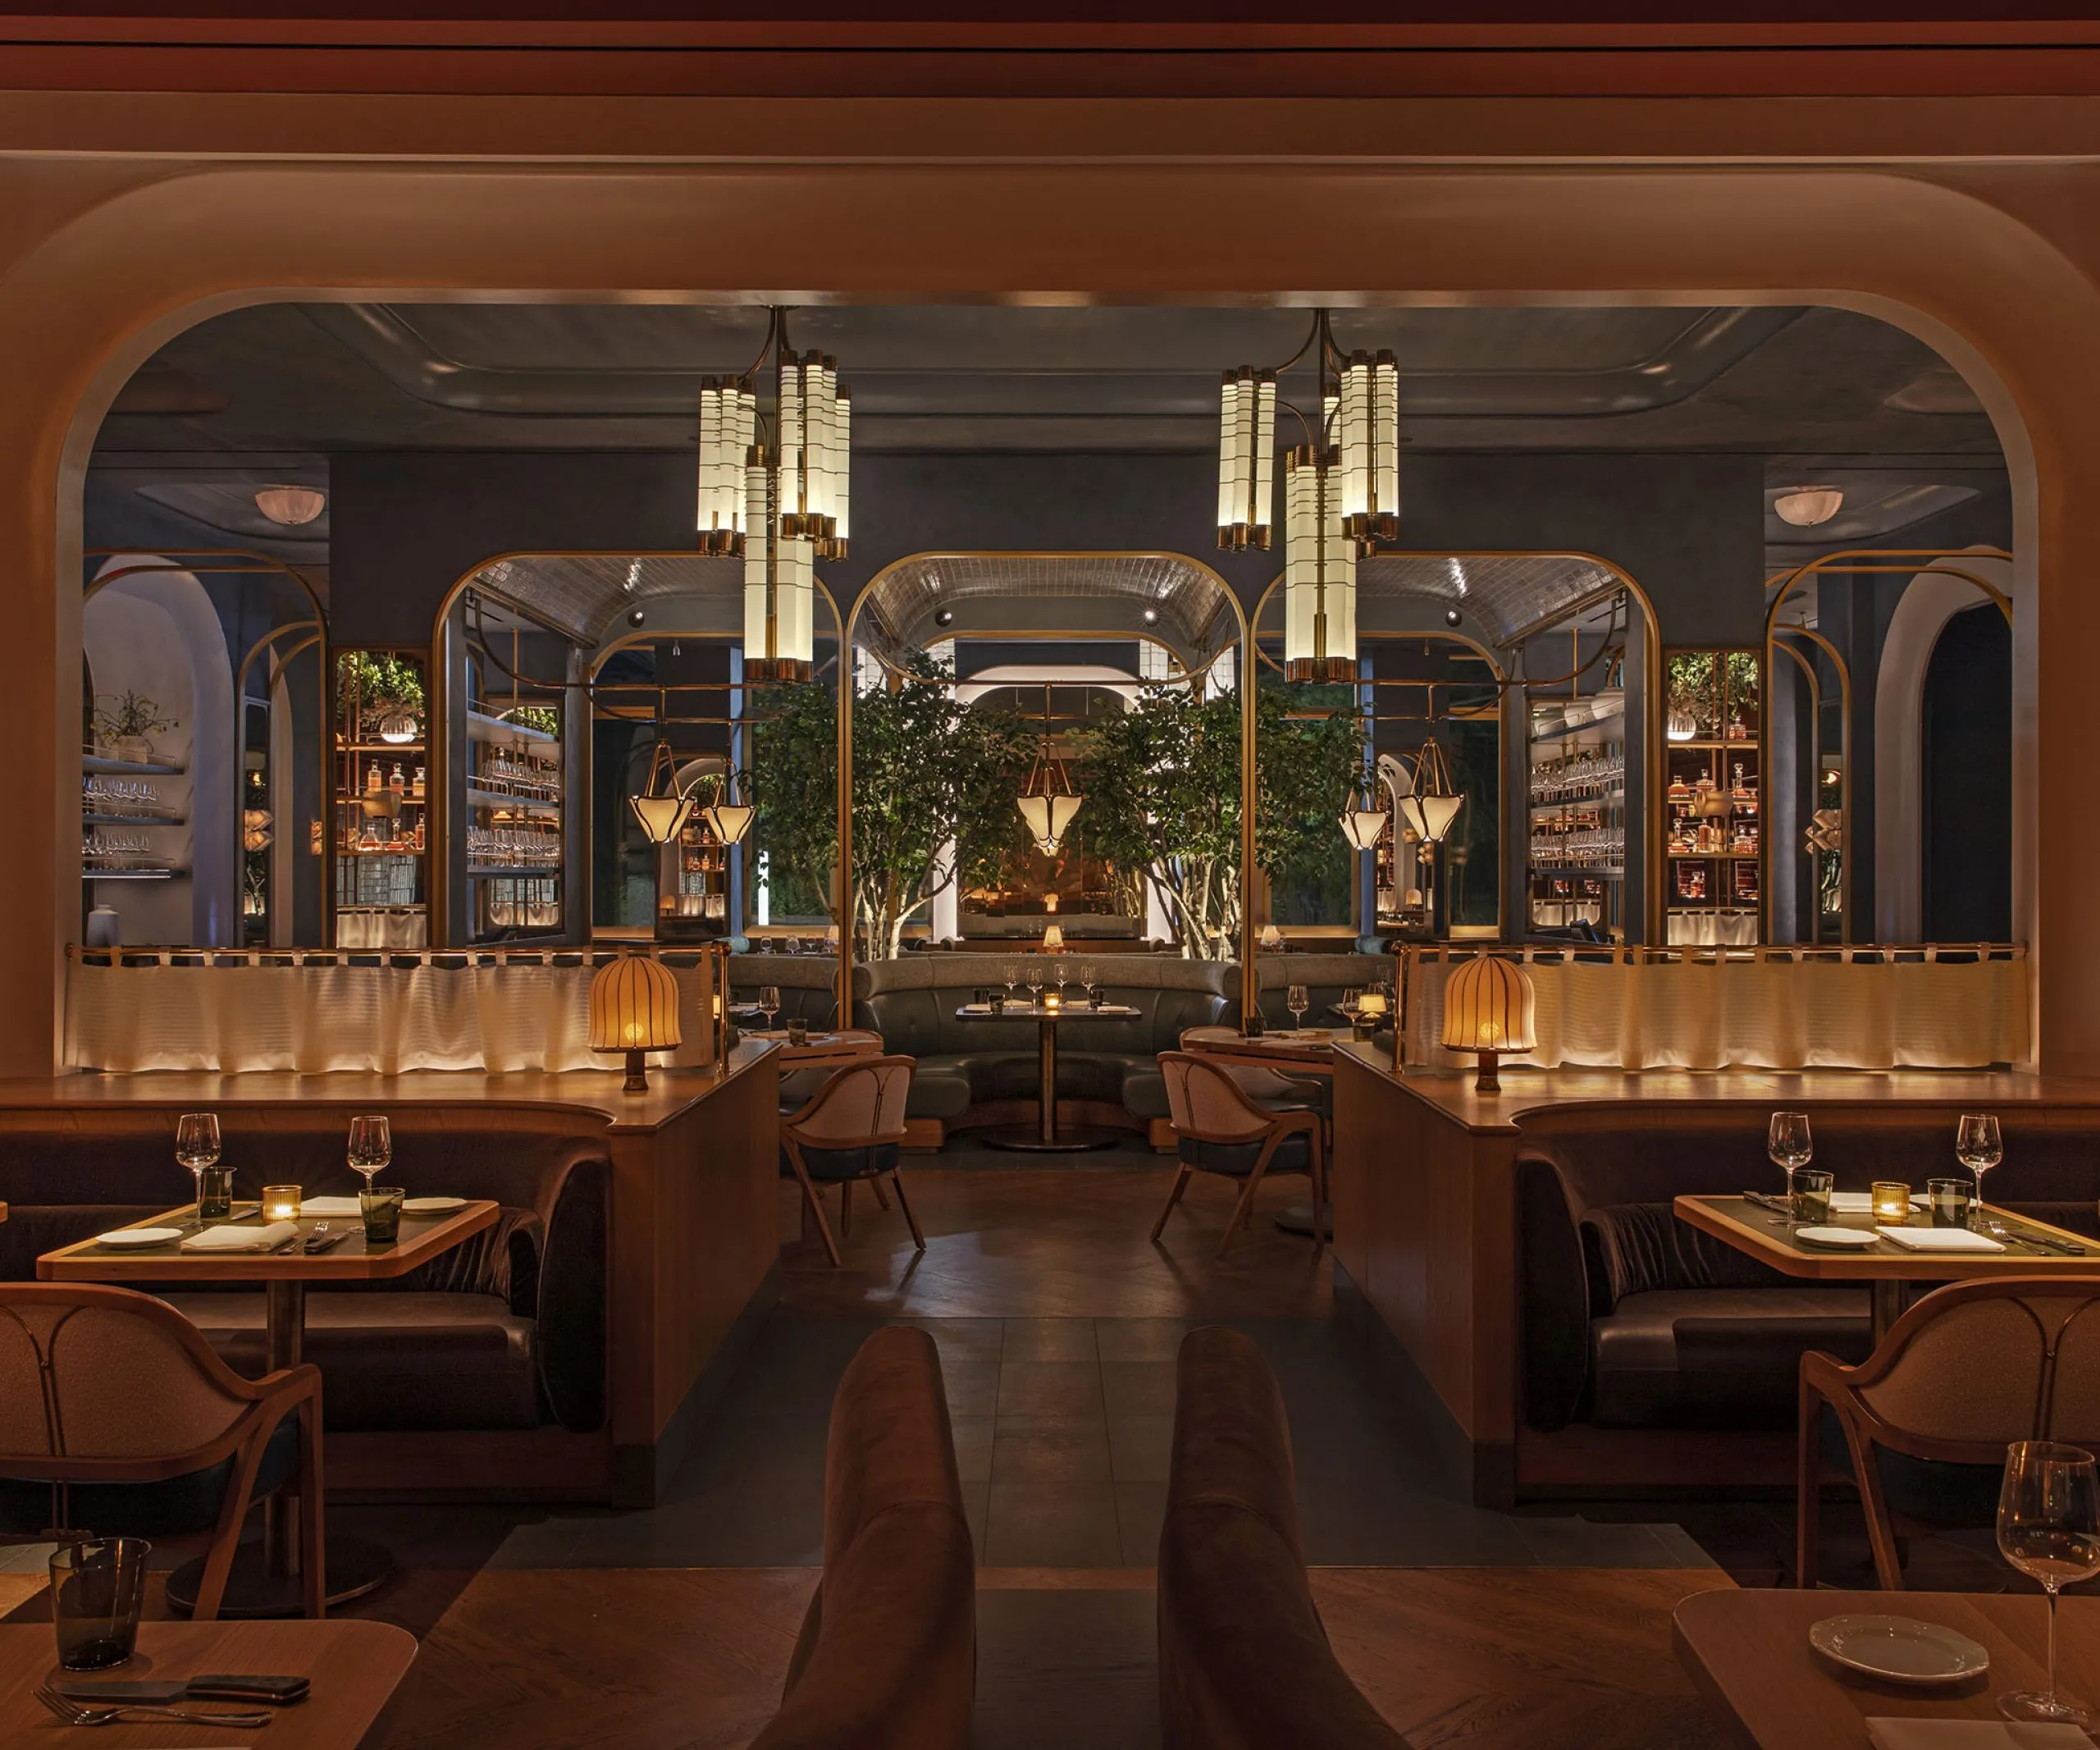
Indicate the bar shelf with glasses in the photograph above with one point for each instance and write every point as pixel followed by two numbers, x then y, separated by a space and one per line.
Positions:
pixel 515 841
pixel 1576 844
pixel 381 800
pixel 1713 797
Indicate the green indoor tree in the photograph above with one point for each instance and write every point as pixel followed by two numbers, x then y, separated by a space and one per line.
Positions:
pixel 1162 787
pixel 927 773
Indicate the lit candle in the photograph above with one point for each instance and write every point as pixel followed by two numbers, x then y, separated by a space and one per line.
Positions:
pixel 1051 1001
pixel 280 1203
pixel 1892 1204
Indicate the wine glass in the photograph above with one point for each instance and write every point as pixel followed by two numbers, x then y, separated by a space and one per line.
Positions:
pixel 1977 1147
pixel 1035 983
pixel 197 1146
pixel 1296 1001
pixel 1352 1002
pixel 1787 1141
pixel 2049 1528
pixel 372 1147
pixel 1061 974
pixel 769 1004
pixel 1010 975
pixel 1086 978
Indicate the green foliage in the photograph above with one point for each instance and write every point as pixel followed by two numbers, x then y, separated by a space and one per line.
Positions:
pixel 544 717
pixel 374 681
pixel 1162 783
pixel 794 784
pixel 926 772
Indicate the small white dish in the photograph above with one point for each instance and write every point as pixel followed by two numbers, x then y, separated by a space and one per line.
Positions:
pixel 138 1239
pixel 432 1205
pixel 1838 1239
pixel 1899 1648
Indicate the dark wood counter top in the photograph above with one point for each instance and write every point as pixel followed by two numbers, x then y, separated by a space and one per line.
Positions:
pixel 596 1093
pixel 1525 1091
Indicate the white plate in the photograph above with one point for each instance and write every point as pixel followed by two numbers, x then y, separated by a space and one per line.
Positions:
pixel 137 1239
pixel 1856 1239
pixel 1900 1649
pixel 432 1205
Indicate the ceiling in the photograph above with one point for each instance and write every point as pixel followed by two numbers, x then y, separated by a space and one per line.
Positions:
pixel 267 394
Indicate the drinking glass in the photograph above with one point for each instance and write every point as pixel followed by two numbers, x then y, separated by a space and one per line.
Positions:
pixel 2049 1528
pixel 96 1589
pixel 769 1004
pixel 379 1205
pixel 1010 975
pixel 372 1147
pixel 197 1147
pixel 1977 1147
pixel 1950 1202
pixel 1086 978
pixel 1787 1141
pixel 1811 1196
pixel 1296 1001
pixel 1352 1000
pixel 1035 983
pixel 1061 975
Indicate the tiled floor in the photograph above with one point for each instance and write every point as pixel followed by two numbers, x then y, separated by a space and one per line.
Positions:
pixel 1062 1431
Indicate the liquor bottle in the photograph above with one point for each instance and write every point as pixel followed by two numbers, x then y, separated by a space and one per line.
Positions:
pixel 416 788
pixel 397 783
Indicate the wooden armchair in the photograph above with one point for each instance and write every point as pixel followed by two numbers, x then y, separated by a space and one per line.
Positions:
pixel 1221 1129
pixel 115 1417
pixel 850 1130
pixel 1926 1419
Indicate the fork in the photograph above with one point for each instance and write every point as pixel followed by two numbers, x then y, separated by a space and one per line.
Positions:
pixel 74 1713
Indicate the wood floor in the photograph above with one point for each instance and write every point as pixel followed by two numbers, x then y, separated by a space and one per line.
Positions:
pixel 1071 1243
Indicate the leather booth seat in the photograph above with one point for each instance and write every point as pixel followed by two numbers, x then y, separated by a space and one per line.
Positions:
pixel 1632 1318
pixel 981 1061
pixel 506 1331
pixel 806 982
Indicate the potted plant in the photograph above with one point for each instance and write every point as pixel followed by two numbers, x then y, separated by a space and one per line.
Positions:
pixel 380 694
pixel 126 723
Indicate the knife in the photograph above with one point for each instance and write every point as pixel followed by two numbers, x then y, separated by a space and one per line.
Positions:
pixel 277 1691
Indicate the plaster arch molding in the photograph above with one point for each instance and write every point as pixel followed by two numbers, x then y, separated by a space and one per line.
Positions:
pixel 1710 224
pixel 1929 601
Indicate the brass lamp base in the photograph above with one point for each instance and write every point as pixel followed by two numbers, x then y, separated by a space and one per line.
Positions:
pixel 637 1073
pixel 1488 1081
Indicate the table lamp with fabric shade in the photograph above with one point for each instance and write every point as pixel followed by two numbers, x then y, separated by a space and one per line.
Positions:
pixel 1053 939
pixel 634 1009
pixel 1488 1009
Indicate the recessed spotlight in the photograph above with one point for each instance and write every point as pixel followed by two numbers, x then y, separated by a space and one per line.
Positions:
pixel 1452 617
pixel 1151 616
pixel 945 617
pixel 636 616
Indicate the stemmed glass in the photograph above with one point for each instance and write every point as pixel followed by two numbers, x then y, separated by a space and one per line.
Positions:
pixel 769 1004
pixel 1061 974
pixel 1351 1002
pixel 1296 1001
pixel 1086 978
pixel 1035 983
pixel 1977 1147
pixel 1788 1142
pixel 372 1147
pixel 2049 1528
pixel 1010 975
pixel 197 1146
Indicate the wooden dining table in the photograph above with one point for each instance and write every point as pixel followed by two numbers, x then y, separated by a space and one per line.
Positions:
pixel 1296 1051
pixel 356 1669
pixel 1888 1269
pixel 1748 1651
pixel 1045 1138
pixel 265 1582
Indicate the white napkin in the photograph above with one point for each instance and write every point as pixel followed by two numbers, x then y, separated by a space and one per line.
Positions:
pixel 1973 1734
pixel 328 1206
pixel 1851 1202
pixel 1940 1239
pixel 240 1239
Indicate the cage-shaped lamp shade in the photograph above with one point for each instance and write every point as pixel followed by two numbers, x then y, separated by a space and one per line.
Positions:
pixel 634 1009
pixel 1488 1009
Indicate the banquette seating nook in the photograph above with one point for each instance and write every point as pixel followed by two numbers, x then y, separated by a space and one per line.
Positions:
pixel 887 1659
pixel 1244 1661
pixel 118 1420
pixel 1633 1320
pixel 505 1333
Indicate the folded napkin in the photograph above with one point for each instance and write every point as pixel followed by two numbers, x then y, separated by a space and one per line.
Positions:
pixel 1940 1239
pixel 328 1206
pixel 1973 1734
pixel 1851 1202
pixel 241 1239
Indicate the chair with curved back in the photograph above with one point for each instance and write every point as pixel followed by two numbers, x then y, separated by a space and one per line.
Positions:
pixel 1221 1129
pixel 118 1420
pixel 1926 1419
pixel 849 1129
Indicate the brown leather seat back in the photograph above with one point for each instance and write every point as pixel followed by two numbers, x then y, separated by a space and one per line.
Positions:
pixel 1244 1661
pixel 887 1656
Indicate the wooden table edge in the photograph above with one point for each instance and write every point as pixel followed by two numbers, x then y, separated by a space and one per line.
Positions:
pixel 83 1262
pixel 1696 1210
pixel 1703 1680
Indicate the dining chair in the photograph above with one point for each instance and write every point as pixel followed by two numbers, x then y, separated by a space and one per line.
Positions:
pixel 1922 1424
pixel 850 1130
pixel 116 1419
pixel 1221 1129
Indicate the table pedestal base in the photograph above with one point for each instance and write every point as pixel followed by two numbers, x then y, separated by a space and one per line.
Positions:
pixel 1073 1140
pixel 356 1566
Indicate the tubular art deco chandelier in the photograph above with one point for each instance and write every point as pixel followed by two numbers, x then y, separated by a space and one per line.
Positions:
pixel 1341 491
pixel 782 504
